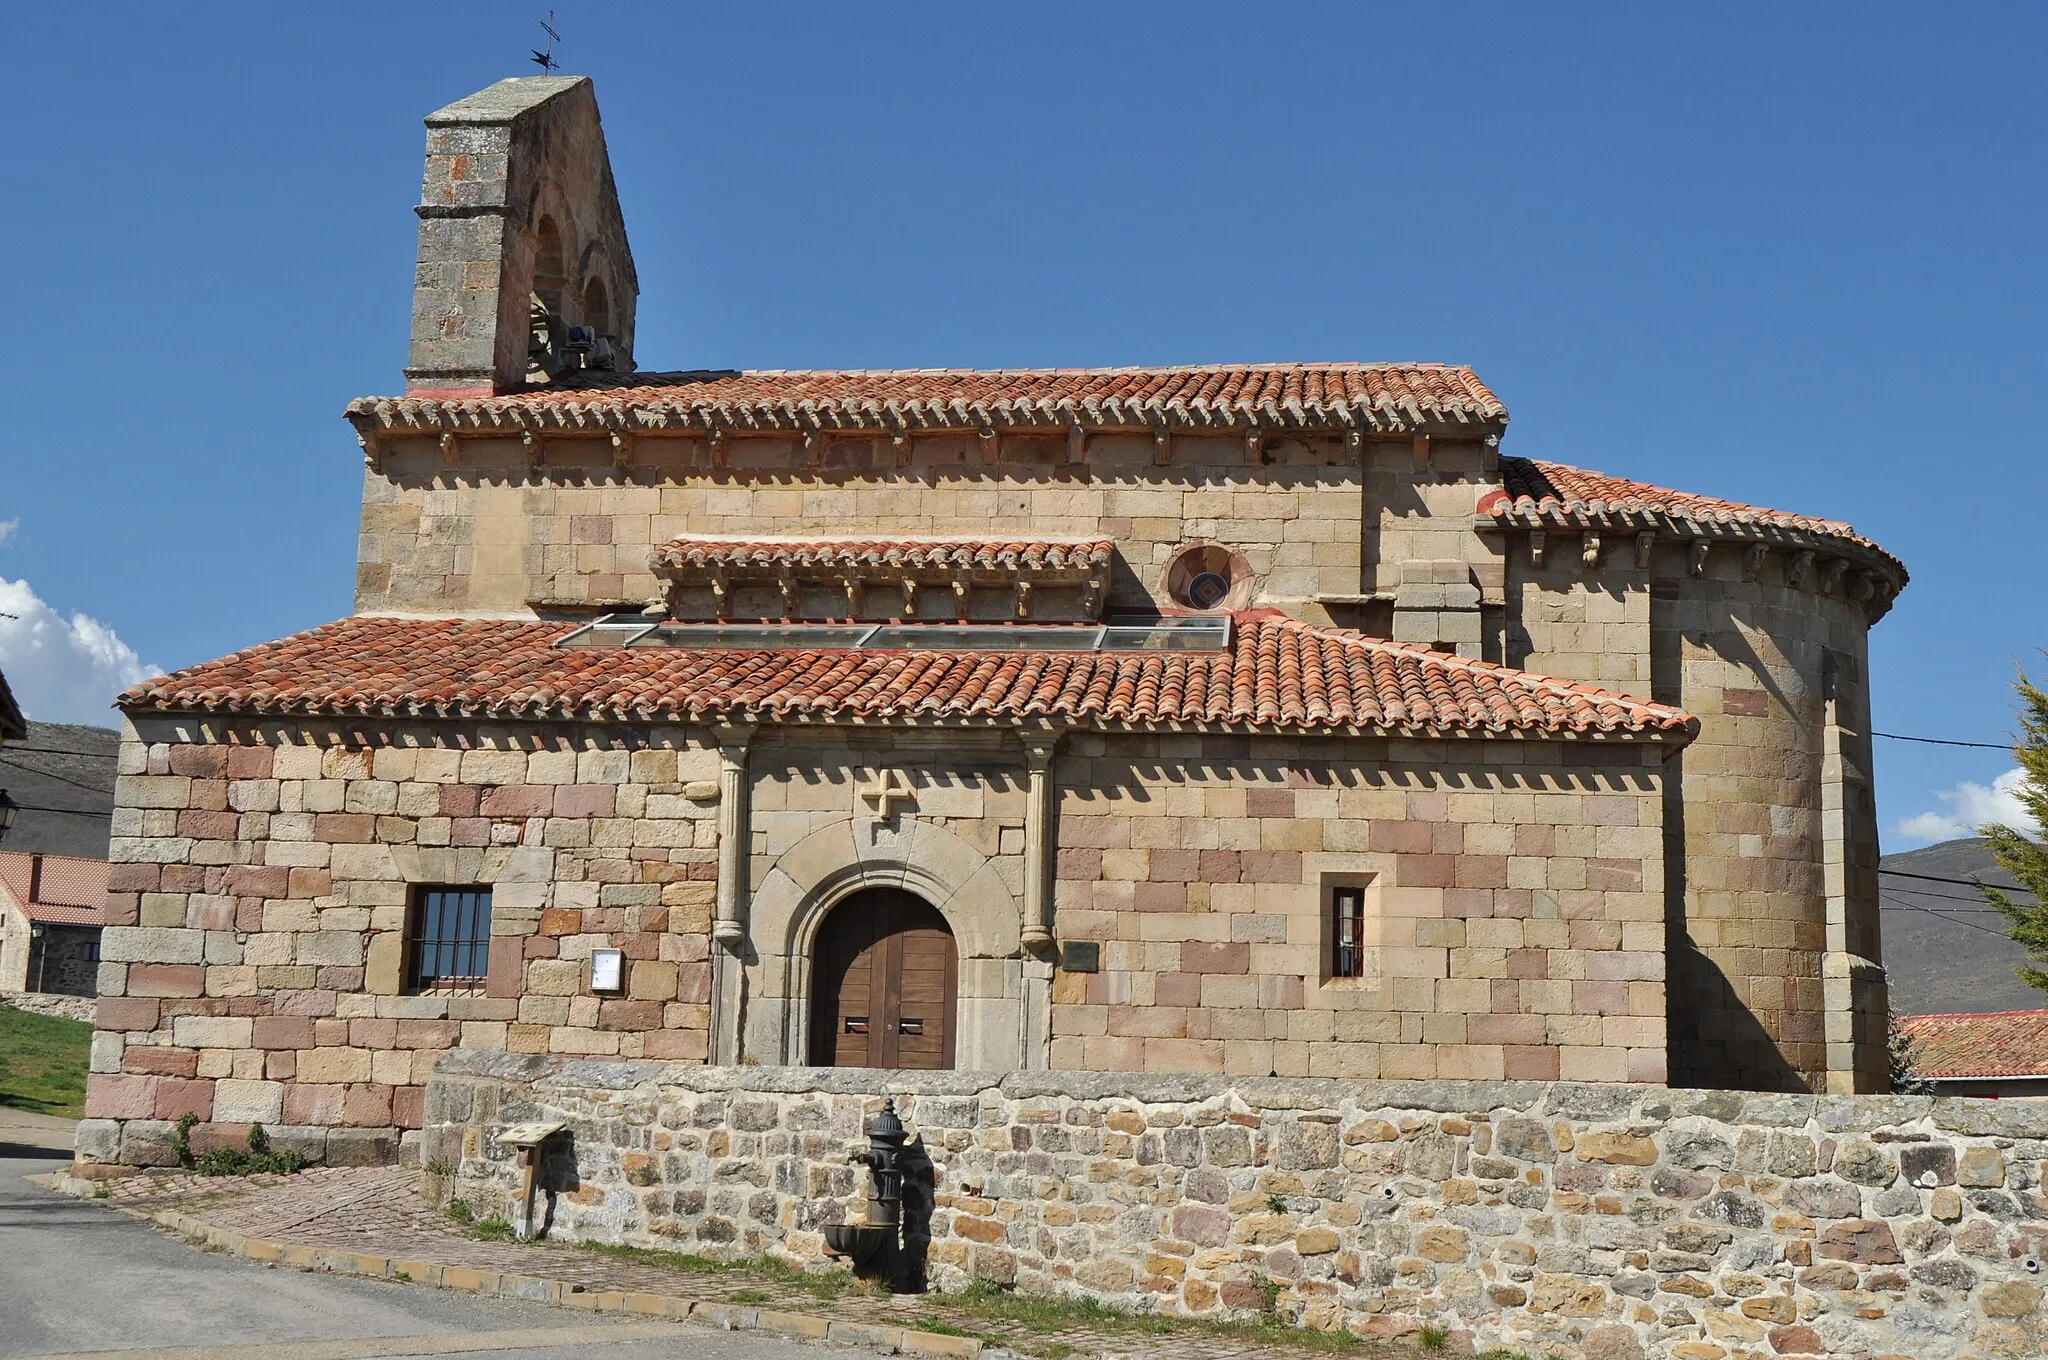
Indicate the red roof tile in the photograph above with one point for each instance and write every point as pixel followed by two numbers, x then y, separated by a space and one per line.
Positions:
pixel 1369 396
pixel 55 889
pixel 1539 492
pixel 1278 673
pixel 691 550
pixel 1992 1044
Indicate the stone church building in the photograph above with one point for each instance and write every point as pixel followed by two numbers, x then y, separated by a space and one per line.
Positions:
pixel 1254 719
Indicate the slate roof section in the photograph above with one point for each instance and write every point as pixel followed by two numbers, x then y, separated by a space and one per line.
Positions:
pixel 1278 675
pixel 1994 1044
pixel 960 554
pixel 62 890
pixel 1544 494
pixel 1372 397
pixel 62 776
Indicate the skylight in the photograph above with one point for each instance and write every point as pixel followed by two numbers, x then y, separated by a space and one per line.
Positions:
pixel 1194 633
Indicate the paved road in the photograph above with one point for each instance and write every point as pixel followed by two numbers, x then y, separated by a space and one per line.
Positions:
pixel 79 1279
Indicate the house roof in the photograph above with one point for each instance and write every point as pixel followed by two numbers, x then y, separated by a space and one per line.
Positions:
pixel 13 726
pixel 63 890
pixel 1277 674
pixel 62 777
pixel 1543 494
pixel 1994 1044
pixel 1372 397
pixel 1030 555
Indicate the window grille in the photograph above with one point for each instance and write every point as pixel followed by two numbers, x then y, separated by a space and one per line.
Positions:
pixel 1347 932
pixel 450 938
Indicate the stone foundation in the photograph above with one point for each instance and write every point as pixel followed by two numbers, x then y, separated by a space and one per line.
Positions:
pixel 1607 1222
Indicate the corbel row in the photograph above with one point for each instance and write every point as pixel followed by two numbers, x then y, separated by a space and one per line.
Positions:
pixel 859 591
pixel 1804 567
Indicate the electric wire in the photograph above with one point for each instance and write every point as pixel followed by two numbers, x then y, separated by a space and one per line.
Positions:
pixel 1944 741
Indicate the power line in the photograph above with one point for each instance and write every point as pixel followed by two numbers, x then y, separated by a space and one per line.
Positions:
pixel 1937 878
pixel 1946 916
pixel 1943 741
pixel 68 812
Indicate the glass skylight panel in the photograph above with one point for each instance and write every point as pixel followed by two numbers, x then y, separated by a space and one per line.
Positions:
pixel 925 637
pixel 766 636
pixel 1195 633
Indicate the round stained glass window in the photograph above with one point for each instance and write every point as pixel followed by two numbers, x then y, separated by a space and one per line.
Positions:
pixel 1207 589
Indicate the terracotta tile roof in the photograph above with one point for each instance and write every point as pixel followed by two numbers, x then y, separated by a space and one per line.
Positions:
pixel 1039 555
pixel 1391 397
pixel 56 889
pixel 1278 673
pixel 1993 1044
pixel 1542 493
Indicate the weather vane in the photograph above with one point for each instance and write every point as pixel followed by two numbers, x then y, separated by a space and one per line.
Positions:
pixel 544 57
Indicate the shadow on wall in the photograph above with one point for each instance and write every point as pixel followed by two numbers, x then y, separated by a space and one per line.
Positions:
pixel 1714 1040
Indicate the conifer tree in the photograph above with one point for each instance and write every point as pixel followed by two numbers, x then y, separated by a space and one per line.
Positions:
pixel 2019 854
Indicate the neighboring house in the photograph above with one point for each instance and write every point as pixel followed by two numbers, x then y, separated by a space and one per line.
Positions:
pixel 1999 1053
pixel 59 780
pixel 1249 719
pixel 51 911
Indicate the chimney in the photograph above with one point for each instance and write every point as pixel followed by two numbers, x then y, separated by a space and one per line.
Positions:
pixel 521 240
pixel 35 877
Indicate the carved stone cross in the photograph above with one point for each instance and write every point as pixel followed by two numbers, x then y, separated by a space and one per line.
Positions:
pixel 889 786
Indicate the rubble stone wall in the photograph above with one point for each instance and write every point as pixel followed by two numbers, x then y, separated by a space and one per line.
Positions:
pixel 1546 1219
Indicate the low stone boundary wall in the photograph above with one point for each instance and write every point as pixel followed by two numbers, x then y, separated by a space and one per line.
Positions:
pixel 51 1003
pixel 1549 1219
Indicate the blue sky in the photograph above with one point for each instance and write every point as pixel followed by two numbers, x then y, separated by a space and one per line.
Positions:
pixel 1784 254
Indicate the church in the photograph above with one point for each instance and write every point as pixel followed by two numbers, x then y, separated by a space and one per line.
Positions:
pixel 1248 719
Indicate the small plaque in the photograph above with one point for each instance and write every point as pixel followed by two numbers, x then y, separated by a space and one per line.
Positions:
pixel 1081 956
pixel 607 970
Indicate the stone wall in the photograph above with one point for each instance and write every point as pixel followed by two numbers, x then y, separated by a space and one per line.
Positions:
pixel 1605 1222
pixel 495 529
pixel 253 961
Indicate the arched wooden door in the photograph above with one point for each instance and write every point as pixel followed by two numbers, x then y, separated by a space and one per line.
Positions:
pixel 886 978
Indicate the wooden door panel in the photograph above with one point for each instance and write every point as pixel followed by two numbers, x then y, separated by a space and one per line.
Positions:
pixel 884 957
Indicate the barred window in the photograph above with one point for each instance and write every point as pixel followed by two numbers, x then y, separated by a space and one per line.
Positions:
pixel 1347 932
pixel 449 938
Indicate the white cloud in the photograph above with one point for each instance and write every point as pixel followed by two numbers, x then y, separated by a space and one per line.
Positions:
pixel 1971 806
pixel 7 528
pixel 62 670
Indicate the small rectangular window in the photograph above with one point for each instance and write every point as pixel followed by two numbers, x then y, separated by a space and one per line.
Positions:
pixel 449 939
pixel 1347 932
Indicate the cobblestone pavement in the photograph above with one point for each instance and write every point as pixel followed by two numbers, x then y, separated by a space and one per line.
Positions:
pixel 378 1211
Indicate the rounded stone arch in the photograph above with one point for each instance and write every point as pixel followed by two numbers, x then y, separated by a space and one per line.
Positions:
pixel 967 889
pixel 551 233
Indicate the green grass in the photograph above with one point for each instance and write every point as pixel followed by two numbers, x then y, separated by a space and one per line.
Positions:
pixel 824 1286
pixel 42 1062
pixel 1045 1313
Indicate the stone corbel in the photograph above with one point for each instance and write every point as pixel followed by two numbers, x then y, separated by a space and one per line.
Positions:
pixel 1862 585
pixel 451 449
pixel 1254 445
pixel 1022 608
pixel 536 446
pixel 1162 445
pixel 991 444
pixel 963 597
pixel 1039 812
pixel 622 449
pixel 1589 549
pixel 856 597
pixel 715 438
pixel 899 442
pixel 1536 545
pixel 1831 574
pixel 792 599
pixel 1646 545
pixel 1077 443
pixel 1418 450
pixel 1354 441
pixel 1696 556
pixel 1753 561
pixel 721 598
pixel 909 597
pixel 1796 568
pixel 1091 595
pixel 373 450
pixel 814 444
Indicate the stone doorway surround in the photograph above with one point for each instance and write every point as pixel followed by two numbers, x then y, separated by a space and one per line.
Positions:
pixel 1005 997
